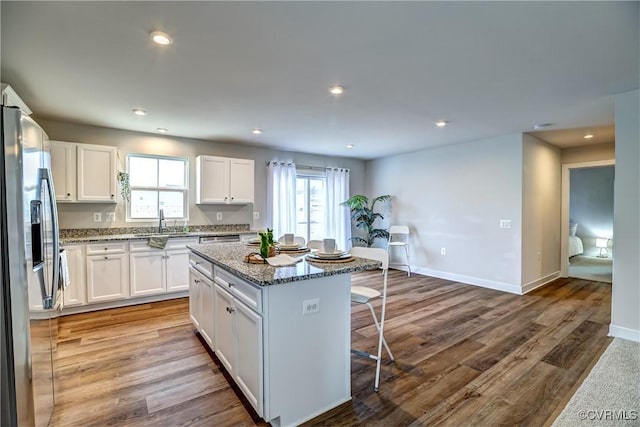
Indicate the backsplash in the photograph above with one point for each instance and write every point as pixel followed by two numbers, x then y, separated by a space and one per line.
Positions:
pixel 89 232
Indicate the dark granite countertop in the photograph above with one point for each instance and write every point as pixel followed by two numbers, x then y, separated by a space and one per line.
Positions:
pixel 230 257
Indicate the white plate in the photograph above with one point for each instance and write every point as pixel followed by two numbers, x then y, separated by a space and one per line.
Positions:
pixel 343 255
pixel 296 248
pixel 292 246
pixel 337 252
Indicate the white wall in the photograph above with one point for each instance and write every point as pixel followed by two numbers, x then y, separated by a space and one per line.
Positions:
pixel 80 215
pixel 591 204
pixel 589 153
pixel 453 197
pixel 625 304
pixel 541 195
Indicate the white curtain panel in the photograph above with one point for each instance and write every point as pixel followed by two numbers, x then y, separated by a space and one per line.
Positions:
pixel 338 217
pixel 281 197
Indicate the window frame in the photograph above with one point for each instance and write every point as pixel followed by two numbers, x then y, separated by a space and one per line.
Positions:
pixel 184 190
pixel 307 175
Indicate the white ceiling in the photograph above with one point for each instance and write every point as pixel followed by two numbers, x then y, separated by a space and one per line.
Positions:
pixel 491 68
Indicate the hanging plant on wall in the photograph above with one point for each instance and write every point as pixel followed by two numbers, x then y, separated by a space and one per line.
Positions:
pixel 123 179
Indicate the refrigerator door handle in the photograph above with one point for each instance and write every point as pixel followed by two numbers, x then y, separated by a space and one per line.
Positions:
pixel 49 295
pixel 37 235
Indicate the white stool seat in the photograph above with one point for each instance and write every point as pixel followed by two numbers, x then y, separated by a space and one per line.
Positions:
pixel 362 294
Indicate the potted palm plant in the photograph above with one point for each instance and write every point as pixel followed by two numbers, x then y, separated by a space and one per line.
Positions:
pixel 362 212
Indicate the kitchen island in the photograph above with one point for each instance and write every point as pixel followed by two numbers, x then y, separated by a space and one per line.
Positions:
pixel 283 334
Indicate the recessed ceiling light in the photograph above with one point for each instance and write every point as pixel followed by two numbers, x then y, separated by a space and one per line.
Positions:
pixel 542 125
pixel 336 90
pixel 161 38
pixel 350 146
pixel 442 123
pixel 139 112
pixel 162 130
pixel 256 131
pixel 589 136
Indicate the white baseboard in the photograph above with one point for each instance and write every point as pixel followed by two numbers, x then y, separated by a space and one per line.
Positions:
pixel 540 282
pixel 624 333
pixel 491 284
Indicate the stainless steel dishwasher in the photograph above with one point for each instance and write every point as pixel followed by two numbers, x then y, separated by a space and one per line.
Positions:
pixel 220 239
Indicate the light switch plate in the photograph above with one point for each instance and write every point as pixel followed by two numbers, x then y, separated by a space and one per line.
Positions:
pixel 256 215
pixel 97 217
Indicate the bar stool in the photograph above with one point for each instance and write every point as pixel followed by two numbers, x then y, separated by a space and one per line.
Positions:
pixel 364 294
pixel 399 238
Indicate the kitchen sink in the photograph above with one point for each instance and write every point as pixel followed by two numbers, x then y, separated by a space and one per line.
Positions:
pixel 177 233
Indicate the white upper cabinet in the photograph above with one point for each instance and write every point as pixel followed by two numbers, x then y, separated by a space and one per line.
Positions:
pixel 84 173
pixel 63 170
pixel 221 180
pixel 96 173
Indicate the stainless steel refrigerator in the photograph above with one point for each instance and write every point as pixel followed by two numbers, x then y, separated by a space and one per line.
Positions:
pixel 29 258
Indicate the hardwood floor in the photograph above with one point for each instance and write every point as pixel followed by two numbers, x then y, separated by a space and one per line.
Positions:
pixel 464 356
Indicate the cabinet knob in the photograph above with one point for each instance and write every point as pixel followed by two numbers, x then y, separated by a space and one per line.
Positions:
pixel 112 196
pixel 198 262
pixel 232 198
pixel 196 280
pixel 106 249
pixel 68 194
pixel 230 310
pixel 106 257
pixel 225 198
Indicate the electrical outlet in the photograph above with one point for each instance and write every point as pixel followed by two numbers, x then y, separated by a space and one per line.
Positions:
pixel 111 216
pixel 443 251
pixel 219 216
pixel 97 217
pixel 256 215
pixel 505 223
pixel 310 306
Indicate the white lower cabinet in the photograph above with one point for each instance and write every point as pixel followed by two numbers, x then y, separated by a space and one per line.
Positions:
pixel 75 293
pixel 107 277
pixel 201 305
pixel 238 331
pixel 158 271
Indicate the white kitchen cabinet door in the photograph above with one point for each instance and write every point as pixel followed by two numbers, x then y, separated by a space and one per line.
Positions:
pixel 75 293
pixel 225 347
pixel 195 299
pixel 241 185
pixel 249 362
pixel 148 273
pixel 96 173
pixel 63 170
pixel 177 270
pixel 212 180
pixel 207 312
pixel 107 277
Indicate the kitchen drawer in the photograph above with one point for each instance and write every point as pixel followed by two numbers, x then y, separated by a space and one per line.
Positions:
pixel 142 246
pixel 249 294
pixel 180 243
pixel 107 248
pixel 201 264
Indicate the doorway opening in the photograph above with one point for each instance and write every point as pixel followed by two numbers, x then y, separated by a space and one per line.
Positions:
pixel 587 220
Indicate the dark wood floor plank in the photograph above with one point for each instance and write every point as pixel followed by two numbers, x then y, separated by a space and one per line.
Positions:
pixel 464 356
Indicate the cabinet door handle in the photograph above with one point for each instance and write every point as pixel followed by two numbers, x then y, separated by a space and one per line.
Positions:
pixel 230 310
pixel 196 280
pixel 230 285
pixel 198 263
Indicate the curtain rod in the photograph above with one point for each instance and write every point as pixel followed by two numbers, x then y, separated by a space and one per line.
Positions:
pixel 318 168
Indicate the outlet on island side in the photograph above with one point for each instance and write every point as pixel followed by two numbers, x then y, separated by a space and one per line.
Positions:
pixel 97 216
pixel 310 306
pixel 443 251
pixel 219 216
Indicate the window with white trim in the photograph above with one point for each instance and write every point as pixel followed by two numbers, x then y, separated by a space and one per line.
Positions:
pixel 157 182
pixel 310 204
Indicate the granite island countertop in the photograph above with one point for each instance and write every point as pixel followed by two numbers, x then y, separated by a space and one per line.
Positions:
pixel 230 257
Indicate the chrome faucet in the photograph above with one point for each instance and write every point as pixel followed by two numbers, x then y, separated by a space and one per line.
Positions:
pixel 160 221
